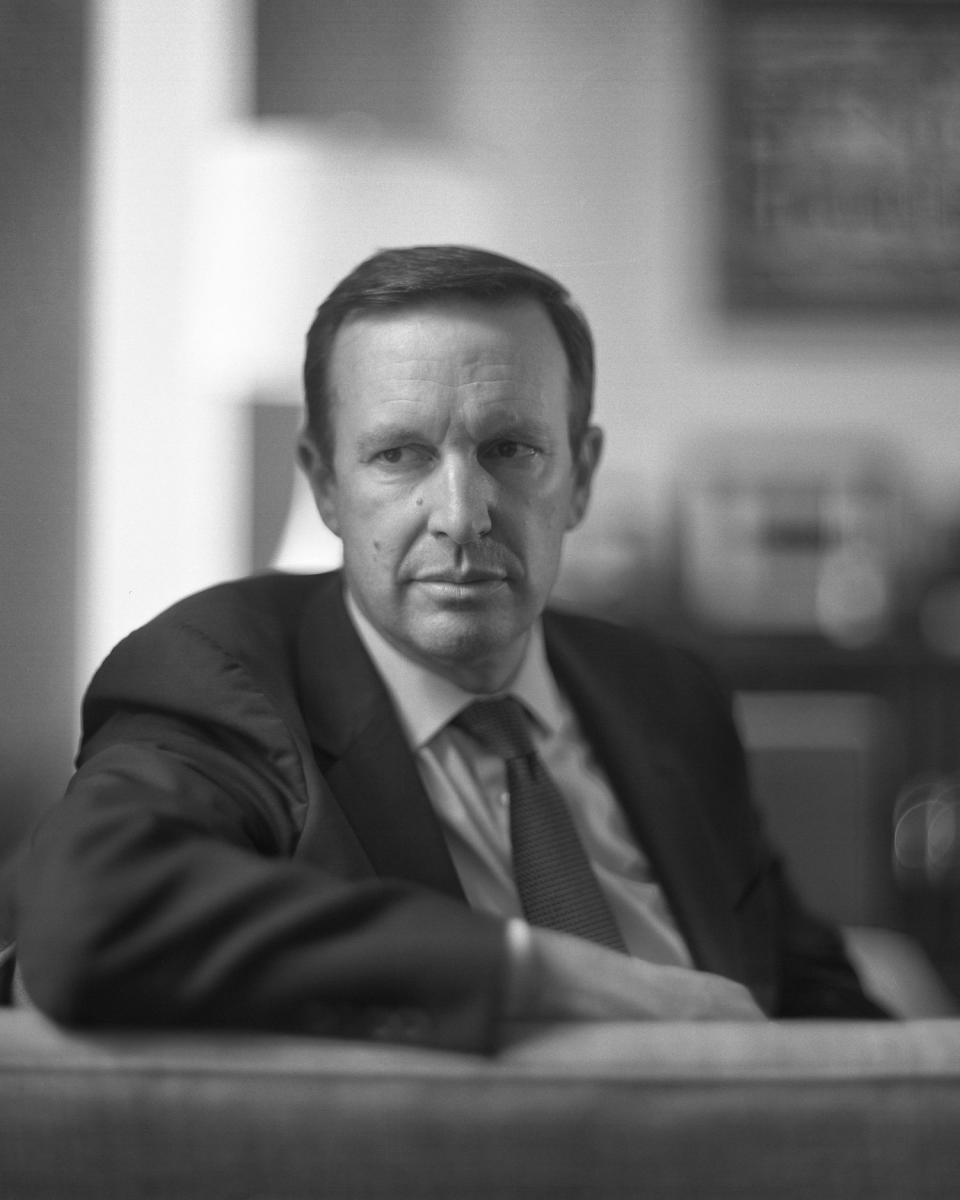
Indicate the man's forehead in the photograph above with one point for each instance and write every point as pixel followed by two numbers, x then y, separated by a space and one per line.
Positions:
pixel 458 344
pixel 490 368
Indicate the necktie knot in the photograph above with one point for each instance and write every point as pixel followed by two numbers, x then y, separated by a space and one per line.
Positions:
pixel 498 725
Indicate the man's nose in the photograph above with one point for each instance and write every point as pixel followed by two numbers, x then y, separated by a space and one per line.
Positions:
pixel 460 496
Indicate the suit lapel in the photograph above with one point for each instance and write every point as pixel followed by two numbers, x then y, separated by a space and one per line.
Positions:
pixel 658 797
pixel 361 750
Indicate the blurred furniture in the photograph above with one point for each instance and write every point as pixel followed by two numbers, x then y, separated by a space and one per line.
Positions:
pixel 803 570
pixel 794 534
pixel 838 738
pixel 605 1110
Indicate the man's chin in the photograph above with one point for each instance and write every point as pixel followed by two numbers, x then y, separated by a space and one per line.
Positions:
pixel 461 643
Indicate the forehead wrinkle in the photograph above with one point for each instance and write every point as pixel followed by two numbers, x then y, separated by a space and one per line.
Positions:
pixel 486 369
pixel 391 388
pixel 444 373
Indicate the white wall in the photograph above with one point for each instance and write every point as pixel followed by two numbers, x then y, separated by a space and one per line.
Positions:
pixel 159 455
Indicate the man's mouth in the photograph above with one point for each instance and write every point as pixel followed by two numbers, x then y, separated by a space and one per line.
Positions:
pixel 461 585
pixel 462 578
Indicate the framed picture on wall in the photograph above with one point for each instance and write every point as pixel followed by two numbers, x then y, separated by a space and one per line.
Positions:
pixel 841 153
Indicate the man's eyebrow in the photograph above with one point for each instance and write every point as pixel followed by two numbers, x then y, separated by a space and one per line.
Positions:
pixel 522 427
pixel 388 434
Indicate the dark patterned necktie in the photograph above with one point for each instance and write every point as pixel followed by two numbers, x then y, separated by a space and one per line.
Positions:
pixel 556 883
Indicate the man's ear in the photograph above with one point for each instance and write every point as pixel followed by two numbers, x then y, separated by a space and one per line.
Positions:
pixel 321 478
pixel 584 469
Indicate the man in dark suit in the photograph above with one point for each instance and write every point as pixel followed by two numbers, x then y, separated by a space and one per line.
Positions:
pixel 291 813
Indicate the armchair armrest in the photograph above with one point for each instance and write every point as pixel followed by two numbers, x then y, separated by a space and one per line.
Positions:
pixel 786 1109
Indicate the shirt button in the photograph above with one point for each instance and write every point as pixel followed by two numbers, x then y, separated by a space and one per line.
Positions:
pixel 504 798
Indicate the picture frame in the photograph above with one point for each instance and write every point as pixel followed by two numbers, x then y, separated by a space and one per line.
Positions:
pixel 841 154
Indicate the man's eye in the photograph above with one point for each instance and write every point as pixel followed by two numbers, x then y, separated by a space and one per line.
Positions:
pixel 511 450
pixel 397 456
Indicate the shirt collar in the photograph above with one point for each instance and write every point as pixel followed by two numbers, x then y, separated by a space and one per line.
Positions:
pixel 427 702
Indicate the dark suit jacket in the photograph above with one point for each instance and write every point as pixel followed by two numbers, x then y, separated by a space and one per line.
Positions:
pixel 246 841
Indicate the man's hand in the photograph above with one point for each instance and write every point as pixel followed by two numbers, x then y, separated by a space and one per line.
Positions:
pixel 557 977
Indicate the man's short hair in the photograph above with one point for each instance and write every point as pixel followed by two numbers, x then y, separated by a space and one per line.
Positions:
pixel 408 276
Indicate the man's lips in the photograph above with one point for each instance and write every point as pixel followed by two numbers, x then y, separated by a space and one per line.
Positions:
pixel 461 578
pixel 460 585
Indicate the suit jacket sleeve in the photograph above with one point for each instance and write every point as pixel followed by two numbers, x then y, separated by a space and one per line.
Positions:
pixel 165 888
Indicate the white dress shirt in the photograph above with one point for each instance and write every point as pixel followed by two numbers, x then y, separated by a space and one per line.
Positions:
pixel 466 785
